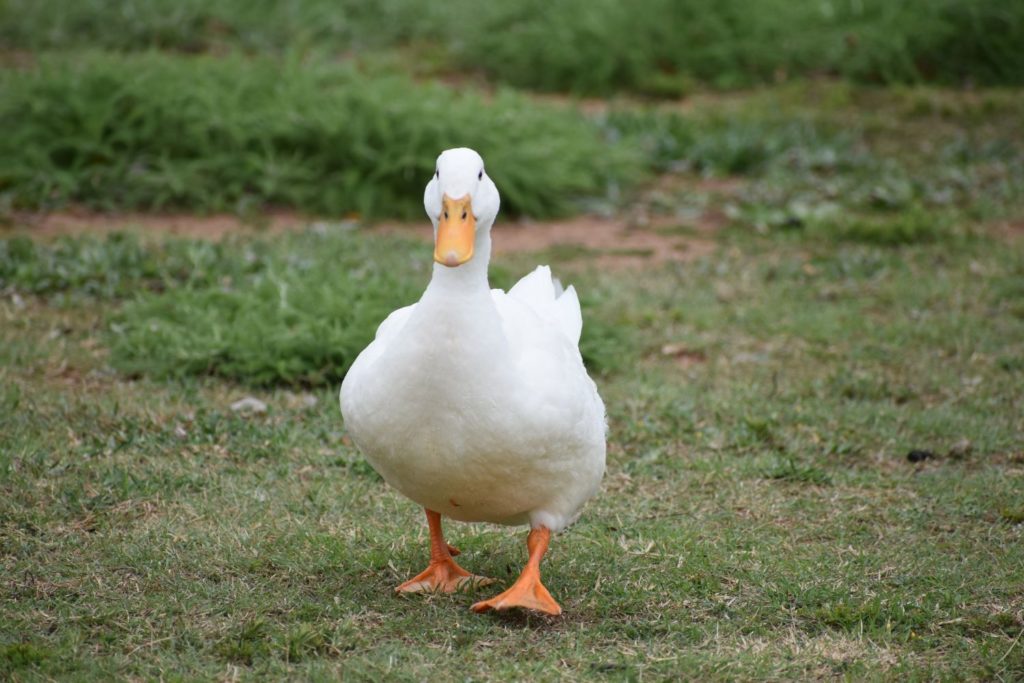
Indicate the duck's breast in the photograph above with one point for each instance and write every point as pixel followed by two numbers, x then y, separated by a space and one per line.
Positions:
pixel 480 427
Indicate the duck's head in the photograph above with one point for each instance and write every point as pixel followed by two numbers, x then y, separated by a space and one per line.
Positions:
pixel 462 202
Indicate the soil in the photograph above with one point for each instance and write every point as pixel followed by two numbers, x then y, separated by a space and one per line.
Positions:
pixel 605 242
pixel 632 241
pixel 214 227
pixel 1011 230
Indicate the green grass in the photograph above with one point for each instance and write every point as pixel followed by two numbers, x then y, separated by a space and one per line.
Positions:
pixel 153 131
pixel 759 517
pixel 158 132
pixel 654 47
pixel 291 310
pixel 662 47
pixel 296 313
pixel 191 26
pixel 70 271
pixel 750 142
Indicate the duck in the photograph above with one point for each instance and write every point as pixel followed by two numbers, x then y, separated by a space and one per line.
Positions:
pixel 474 402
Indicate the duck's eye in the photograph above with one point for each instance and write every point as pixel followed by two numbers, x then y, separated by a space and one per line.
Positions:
pixel 463 215
pixel 480 175
pixel 446 215
pixel 437 173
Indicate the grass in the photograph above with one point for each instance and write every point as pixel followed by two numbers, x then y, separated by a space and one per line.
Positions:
pixel 191 26
pixel 655 47
pixel 759 518
pixel 70 271
pixel 157 132
pixel 710 141
pixel 322 298
pixel 153 131
pixel 294 310
pixel 150 530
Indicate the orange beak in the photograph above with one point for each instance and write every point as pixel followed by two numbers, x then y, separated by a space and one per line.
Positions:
pixel 456 232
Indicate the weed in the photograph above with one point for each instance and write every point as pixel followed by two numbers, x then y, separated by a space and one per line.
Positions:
pixel 15 656
pixel 1013 515
pixel 301 317
pixel 246 644
pixel 115 267
pixel 787 469
pixel 913 226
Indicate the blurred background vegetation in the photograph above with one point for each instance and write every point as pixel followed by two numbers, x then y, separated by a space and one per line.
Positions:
pixel 335 107
pixel 887 124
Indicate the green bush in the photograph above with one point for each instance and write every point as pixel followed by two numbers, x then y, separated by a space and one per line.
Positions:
pixel 202 25
pixel 154 131
pixel 658 47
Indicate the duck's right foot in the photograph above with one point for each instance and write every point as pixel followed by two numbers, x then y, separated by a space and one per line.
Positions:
pixel 442 576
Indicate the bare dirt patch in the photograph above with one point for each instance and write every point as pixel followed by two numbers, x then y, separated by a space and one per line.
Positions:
pixel 1011 230
pixel 606 242
pixel 213 227
pixel 613 241
pixel 635 241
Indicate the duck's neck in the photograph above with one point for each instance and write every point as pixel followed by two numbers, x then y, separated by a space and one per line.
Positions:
pixel 457 327
pixel 470 278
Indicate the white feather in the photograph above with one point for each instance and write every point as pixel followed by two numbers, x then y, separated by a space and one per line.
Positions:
pixel 474 402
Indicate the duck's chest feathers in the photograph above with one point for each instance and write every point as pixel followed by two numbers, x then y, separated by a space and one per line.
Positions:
pixel 446 385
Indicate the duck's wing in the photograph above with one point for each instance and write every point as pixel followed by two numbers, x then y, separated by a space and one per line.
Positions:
pixel 558 307
pixel 387 331
pixel 355 378
pixel 543 330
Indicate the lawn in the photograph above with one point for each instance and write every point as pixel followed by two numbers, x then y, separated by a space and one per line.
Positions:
pixel 809 335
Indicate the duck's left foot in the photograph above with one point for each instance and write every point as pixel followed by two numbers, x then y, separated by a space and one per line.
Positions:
pixel 530 594
pixel 527 592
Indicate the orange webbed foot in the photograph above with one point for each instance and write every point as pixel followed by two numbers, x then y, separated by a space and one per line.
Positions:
pixel 527 592
pixel 443 576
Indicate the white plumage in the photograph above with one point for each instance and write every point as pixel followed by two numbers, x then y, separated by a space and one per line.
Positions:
pixel 474 402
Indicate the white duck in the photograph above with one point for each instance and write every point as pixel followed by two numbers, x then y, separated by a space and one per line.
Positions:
pixel 475 403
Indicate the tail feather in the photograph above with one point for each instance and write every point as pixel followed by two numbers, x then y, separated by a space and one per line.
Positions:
pixel 553 303
pixel 536 289
pixel 570 315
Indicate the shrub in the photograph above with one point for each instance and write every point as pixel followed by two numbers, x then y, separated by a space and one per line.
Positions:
pixel 657 47
pixel 153 131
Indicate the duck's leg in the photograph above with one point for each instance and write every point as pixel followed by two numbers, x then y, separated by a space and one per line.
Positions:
pixel 442 574
pixel 527 592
